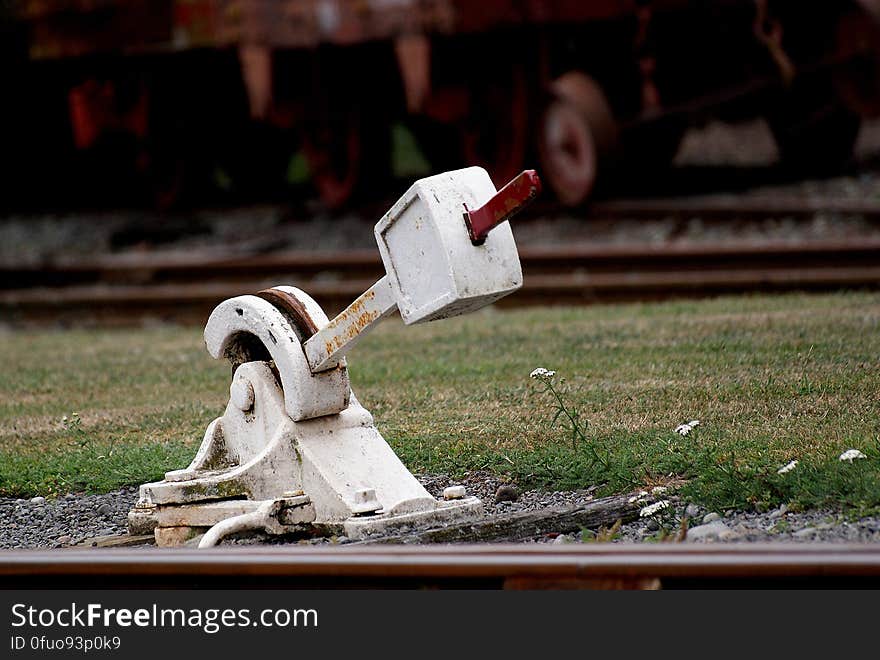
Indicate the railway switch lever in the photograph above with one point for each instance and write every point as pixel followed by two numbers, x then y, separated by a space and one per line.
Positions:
pixel 294 448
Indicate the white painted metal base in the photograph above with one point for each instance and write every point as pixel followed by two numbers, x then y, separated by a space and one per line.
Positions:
pixel 256 453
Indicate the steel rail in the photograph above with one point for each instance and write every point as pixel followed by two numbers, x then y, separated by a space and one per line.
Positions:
pixel 123 291
pixel 732 206
pixel 603 285
pixel 498 565
pixel 139 269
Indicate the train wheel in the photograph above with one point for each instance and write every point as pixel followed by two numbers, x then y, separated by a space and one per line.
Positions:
pixel 576 131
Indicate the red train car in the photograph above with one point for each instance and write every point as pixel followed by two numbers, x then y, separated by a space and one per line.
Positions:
pixel 168 93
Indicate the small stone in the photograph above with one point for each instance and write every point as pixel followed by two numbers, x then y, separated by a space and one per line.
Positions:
pixel 64 539
pixel 506 493
pixel 454 493
pixel 692 511
pixel 38 500
pixel 70 496
pixel 776 513
pixel 728 535
pixel 806 533
pixel 562 539
pixel 707 532
pixel 711 517
pixel 104 510
pixel 653 525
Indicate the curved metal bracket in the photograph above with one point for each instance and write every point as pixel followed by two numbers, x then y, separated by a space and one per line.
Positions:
pixel 230 333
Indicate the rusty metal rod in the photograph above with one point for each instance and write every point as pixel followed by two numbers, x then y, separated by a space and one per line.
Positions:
pixel 326 347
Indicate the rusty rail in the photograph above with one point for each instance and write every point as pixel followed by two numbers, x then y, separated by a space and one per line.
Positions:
pixel 365 264
pixel 127 289
pixel 469 566
pixel 725 207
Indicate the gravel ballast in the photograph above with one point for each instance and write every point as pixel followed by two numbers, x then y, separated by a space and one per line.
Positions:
pixel 78 520
pixel 63 521
pixel 777 525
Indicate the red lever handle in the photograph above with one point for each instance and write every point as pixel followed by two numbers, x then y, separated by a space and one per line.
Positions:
pixel 505 204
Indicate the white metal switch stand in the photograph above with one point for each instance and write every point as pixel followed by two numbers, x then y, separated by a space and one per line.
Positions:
pixel 294 448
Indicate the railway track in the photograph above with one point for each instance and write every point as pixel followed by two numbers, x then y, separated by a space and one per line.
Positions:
pixel 124 289
pixel 508 566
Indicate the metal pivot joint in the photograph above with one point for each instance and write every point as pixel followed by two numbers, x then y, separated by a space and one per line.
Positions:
pixel 294 448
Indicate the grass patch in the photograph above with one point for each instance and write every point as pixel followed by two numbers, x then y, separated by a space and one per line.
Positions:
pixel 772 379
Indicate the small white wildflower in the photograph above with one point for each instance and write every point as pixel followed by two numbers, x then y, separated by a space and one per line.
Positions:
pixel 684 429
pixel 541 372
pixel 850 454
pixel 651 509
pixel 787 468
pixel 641 496
pixel 658 490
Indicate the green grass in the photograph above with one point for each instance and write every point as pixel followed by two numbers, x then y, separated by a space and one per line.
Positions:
pixel 772 379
